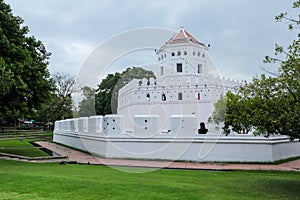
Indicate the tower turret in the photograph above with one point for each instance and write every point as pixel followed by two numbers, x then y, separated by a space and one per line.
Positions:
pixel 182 55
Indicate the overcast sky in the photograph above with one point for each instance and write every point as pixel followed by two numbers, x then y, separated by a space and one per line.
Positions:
pixel 240 32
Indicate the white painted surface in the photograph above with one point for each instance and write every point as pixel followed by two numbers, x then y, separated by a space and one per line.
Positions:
pixel 146 124
pixel 186 146
pixel 95 124
pixel 113 124
pixel 183 125
pixel 186 92
pixel 83 125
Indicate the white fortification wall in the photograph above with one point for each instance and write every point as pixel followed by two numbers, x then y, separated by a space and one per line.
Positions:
pixel 106 137
pixel 175 95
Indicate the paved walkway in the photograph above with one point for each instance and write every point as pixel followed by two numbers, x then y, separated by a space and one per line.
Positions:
pixel 79 157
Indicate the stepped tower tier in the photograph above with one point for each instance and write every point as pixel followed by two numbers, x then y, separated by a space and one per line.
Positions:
pixel 182 55
pixel 185 84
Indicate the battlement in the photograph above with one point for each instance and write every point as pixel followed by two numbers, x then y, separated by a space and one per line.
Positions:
pixel 176 89
pixel 114 125
pixel 180 80
pixel 104 136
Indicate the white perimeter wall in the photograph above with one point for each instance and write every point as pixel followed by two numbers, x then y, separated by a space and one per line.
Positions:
pixel 183 143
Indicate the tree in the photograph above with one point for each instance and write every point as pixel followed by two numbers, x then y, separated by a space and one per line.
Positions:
pixel 282 92
pixel 87 105
pixel 56 108
pixel 231 112
pixel 107 92
pixel 59 105
pixel 104 94
pixel 24 76
pixel 270 104
pixel 64 84
pixel 219 113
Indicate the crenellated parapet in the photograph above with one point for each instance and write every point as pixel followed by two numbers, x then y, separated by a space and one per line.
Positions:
pixel 205 88
pixel 104 136
pixel 113 125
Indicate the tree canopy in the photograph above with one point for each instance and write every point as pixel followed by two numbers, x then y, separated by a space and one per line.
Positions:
pixel 87 105
pixel 269 104
pixel 59 104
pixel 24 77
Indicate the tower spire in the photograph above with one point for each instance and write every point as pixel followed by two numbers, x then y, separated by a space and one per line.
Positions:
pixel 182 36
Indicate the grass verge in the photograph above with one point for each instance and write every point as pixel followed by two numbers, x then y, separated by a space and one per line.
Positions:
pixel 21 148
pixel 53 181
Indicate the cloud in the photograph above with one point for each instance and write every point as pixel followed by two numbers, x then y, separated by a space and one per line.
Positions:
pixel 70 56
pixel 241 33
pixel 101 60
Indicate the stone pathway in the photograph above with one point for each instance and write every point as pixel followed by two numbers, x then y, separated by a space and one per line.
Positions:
pixel 83 158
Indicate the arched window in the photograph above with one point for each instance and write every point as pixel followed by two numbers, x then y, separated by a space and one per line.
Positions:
pixel 203 55
pixel 180 96
pixel 161 71
pixel 198 96
pixel 194 53
pixel 185 53
pixel 179 53
pixel 148 96
pixel 163 97
pixel 173 54
pixel 198 53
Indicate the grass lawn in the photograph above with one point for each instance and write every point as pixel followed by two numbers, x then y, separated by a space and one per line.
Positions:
pixel 53 181
pixel 20 147
pixel 45 135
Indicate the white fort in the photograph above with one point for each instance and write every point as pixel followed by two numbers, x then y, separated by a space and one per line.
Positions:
pixel 186 84
pixel 159 118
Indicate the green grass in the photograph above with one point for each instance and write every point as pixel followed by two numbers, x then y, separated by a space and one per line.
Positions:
pixel 26 134
pixel 53 181
pixel 286 160
pixel 21 148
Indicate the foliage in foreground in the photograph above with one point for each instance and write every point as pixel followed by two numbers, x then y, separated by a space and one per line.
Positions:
pixel 24 77
pixel 53 181
pixel 27 91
